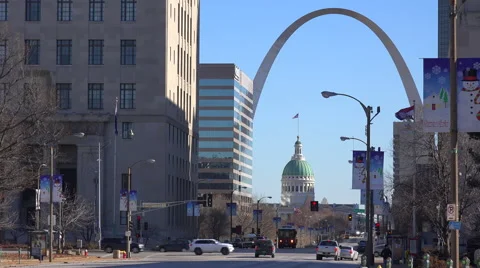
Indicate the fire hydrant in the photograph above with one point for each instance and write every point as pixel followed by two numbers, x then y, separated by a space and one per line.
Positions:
pixel 86 252
pixel 124 254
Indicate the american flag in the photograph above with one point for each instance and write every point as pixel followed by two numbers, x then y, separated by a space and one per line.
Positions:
pixel 297 211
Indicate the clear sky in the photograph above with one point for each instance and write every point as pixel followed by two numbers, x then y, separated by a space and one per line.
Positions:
pixel 332 52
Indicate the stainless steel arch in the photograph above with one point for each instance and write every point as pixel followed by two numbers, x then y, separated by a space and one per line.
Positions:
pixel 405 75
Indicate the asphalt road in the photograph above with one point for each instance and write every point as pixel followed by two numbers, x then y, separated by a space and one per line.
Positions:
pixel 296 258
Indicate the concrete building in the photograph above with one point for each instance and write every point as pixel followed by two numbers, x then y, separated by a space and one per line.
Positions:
pixel 468 31
pixel 225 131
pixel 144 53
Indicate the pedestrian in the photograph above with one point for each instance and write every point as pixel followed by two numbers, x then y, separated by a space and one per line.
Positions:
pixel 386 253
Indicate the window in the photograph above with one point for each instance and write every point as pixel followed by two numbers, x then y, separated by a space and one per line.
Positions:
pixel 215 144
pixel 32 10
pixel 128 52
pixel 95 52
pixel 124 185
pixel 127 96
pixel 127 130
pixel 216 103
pixel 215 123
pixel 217 113
pixel 123 218
pixel 63 96
pixel 95 96
pixel 64 52
pixel 128 10
pixel 3 51
pixel 64 10
pixel 32 51
pixel 3 10
pixel 95 8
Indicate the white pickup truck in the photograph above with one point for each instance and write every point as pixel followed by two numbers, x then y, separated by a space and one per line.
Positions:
pixel 328 248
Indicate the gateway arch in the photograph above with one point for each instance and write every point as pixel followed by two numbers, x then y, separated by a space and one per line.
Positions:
pixel 405 75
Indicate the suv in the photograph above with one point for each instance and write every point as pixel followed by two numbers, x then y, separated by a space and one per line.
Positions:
pixel 111 244
pixel 264 247
pixel 200 246
pixel 175 245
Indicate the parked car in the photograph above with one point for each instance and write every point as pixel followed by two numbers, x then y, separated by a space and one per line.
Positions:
pixel 200 246
pixel 328 248
pixel 361 246
pixel 347 252
pixel 174 245
pixel 111 244
pixel 264 247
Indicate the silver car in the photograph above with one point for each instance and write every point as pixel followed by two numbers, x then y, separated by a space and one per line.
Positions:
pixel 347 252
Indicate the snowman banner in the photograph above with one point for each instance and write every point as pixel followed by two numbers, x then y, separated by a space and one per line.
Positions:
pixel 378 197
pixel 359 172
pixel 436 95
pixel 45 188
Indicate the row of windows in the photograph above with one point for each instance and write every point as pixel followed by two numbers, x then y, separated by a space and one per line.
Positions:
pixel 215 123
pixel 215 144
pixel 215 92
pixel 216 113
pixel 96 10
pixel 226 155
pixel 95 96
pixel 301 188
pixel 128 52
pixel 215 134
pixel 227 165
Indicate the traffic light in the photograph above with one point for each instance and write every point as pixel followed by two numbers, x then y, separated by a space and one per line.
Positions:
pixel 130 226
pixel 350 217
pixel 138 235
pixel 377 228
pixel 145 226
pixel 202 200
pixel 210 200
pixel 313 205
pixel 139 222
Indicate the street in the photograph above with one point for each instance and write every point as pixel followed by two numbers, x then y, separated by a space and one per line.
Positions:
pixel 239 258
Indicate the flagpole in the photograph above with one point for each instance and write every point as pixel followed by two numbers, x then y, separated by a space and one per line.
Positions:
pixel 298 125
pixel 114 213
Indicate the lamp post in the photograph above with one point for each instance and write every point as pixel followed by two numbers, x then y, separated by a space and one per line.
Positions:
pixel 129 212
pixel 37 198
pixel 258 208
pixel 231 209
pixel 50 246
pixel 369 203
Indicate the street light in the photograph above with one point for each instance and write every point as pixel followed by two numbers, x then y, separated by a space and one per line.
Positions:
pixel 50 246
pixel 231 209
pixel 369 201
pixel 258 208
pixel 343 138
pixel 129 212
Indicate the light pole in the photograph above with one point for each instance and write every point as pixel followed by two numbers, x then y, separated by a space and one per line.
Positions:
pixel 231 209
pixel 99 210
pixel 258 208
pixel 129 212
pixel 369 203
pixel 37 198
pixel 50 246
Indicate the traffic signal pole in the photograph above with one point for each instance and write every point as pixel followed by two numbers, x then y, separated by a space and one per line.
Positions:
pixel 128 233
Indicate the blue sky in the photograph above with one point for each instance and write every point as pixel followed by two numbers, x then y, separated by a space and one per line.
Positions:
pixel 332 52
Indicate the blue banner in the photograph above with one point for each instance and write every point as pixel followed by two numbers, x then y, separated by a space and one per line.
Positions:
pixel 257 214
pixel 232 209
pixel 190 208
pixel 378 197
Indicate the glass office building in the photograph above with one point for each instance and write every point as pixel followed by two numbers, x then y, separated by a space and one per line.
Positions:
pixel 225 131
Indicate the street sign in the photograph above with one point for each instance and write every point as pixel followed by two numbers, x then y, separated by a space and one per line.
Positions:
pixel 358 210
pixel 454 225
pixel 128 233
pixel 154 205
pixel 450 212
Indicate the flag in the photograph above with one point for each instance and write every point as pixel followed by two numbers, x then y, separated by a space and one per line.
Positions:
pixel 406 113
pixel 116 116
pixel 296 116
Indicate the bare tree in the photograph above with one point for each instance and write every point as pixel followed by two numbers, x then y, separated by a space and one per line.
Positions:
pixel 27 101
pixel 214 221
pixel 432 176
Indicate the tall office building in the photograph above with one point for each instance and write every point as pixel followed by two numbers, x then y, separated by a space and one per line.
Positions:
pixel 144 53
pixel 225 131
pixel 468 28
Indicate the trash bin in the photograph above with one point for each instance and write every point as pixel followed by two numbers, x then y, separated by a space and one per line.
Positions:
pixel 116 254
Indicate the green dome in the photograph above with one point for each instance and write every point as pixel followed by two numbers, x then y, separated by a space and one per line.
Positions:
pixel 298 168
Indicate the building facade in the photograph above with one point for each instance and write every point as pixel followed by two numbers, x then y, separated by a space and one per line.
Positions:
pixel 225 131
pixel 143 53
pixel 468 29
pixel 298 180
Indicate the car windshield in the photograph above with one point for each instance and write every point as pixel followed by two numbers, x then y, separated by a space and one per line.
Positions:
pixel 328 243
pixel 286 233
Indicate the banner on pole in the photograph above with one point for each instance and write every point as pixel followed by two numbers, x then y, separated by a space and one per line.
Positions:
pixel 359 172
pixel 190 208
pixel 124 200
pixel 133 200
pixel 257 214
pixel 378 197
pixel 232 209
pixel 45 188
pixel 437 95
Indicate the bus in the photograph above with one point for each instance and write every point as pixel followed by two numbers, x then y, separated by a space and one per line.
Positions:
pixel 287 237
